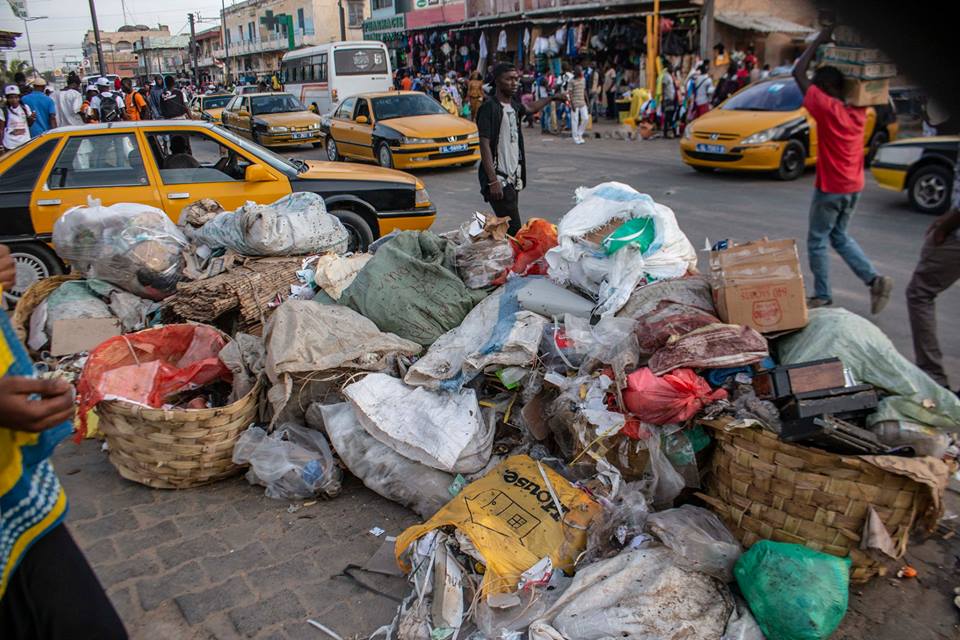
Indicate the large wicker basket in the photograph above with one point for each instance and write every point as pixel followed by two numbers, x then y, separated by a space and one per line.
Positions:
pixel 175 449
pixel 766 489
pixel 31 299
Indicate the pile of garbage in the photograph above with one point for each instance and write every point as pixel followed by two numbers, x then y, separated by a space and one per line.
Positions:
pixel 553 405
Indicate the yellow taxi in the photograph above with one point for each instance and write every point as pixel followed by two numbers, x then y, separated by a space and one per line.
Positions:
pixel 209 107
pixel 923 167
pixel 402 129
pixel 272 119
pixel 170 164
pixel 764 127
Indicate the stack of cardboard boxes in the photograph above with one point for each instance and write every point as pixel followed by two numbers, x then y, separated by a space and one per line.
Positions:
pixel 867 70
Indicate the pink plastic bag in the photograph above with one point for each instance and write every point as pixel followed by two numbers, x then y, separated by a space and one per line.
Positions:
pixel 672 398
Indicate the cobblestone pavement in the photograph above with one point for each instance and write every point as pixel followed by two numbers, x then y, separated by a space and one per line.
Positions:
pixel 225 561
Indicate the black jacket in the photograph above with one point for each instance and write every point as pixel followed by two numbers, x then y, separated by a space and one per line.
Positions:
pixel 489 117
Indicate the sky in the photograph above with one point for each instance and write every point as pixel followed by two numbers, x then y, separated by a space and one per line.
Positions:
pixel 67 22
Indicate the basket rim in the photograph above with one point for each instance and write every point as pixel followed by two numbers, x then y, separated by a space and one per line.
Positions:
pixel 127 408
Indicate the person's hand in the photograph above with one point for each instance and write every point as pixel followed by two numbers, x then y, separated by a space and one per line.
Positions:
pixel 496 190
pixel 18 411
pixel 560 97
pixel 8 268
pixel 943 226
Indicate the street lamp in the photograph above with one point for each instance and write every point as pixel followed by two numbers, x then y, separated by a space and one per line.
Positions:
pixel 26 30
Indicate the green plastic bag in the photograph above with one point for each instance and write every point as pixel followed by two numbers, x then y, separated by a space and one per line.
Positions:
pixel 794 592
pixel 641 232
pixel 411 288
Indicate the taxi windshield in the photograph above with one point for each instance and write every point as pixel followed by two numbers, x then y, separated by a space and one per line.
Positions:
pixel 279 103
pixel 403 105
pixel 216 102
pixel 775 95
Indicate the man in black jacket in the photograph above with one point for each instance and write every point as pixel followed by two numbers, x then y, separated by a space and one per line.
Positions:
pixel 503 167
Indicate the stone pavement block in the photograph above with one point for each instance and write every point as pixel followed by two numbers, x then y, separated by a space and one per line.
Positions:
pixel 93 530
pixel 101 552
pixel 161 533
pixel 131 495
pixel 155 591
pixel 176 553
pixel 81 509
pixel 238 562
pixel 291 573
pixel 211 518
pixel 253 618
pixel 197 607
pixel 118 572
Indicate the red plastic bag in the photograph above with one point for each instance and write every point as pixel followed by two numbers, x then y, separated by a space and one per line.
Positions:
pixel 529 246
pixel 149 366
pixel 673 398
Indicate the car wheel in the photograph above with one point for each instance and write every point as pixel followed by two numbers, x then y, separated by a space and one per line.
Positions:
pixel 360 234
pixel 929 189
pixel 700 169
pixel 878 138
pixel 333 154
pixel 34 263
pixel 384 156
pixel 792 161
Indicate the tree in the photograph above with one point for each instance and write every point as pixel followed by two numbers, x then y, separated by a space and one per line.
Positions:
pixel 15 66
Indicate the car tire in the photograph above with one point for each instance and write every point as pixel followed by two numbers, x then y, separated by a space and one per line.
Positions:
pixel 700 169
pixel 34 262
pixel 361 235
pixel 878 138
pixel 792 161
pixel 384 156
pixel 929 189
pixel 333 154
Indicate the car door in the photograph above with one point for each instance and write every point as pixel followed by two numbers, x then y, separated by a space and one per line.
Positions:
pixel 341 127
pixel 230 114
pixel 212 168
pixel 362 130
pixel 243 118
pixel 107 165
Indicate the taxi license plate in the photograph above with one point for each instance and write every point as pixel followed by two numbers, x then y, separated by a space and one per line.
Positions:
pixel 453 148
pixel 711 148
pixel 304 134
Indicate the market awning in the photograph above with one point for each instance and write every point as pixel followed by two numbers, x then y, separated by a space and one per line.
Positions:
pixel 762 23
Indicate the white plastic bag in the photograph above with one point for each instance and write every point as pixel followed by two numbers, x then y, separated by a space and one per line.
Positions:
pixel 296 224
pixel 700 540
pixel 293 462
pixel 439 429
pixel 663 482
pixel 612 278
pixel 382 469
pixel 480 262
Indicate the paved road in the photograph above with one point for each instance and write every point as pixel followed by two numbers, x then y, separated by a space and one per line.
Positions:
pixel 726 205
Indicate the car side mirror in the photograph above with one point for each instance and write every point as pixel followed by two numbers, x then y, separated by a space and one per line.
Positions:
pixel 243 113
pixel 362 120
pixel 257 173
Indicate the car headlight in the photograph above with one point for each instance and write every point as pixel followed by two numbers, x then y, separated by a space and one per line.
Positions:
pixel 474 136
pixel 423 198
pixel 763 136
pixel 278 129
pixel 315 125
pixel 406 140
pixel 687 133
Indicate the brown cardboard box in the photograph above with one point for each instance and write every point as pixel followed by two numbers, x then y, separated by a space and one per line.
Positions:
pixel 76 335
pixel 865 93
pixel 866 71
pixel 760 284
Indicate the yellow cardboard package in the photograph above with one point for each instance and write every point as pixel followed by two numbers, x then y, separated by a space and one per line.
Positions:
pixel 512 519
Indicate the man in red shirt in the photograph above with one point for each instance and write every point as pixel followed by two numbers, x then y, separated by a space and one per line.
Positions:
pixel 839 180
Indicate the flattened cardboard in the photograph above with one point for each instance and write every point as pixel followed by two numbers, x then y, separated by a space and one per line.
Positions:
pixel 75 335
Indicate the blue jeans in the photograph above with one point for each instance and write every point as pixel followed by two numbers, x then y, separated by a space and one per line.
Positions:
pixel 830 214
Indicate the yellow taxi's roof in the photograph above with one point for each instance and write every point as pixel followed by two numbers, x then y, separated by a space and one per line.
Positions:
pixel 130 124
pixel 382 94
pixel 266 93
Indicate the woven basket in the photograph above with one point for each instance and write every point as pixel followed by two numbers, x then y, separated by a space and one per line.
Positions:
pixel 175 448
pixel 31 299
pixel 766 489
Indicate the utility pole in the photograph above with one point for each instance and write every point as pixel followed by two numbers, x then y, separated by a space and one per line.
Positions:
pixel 706 28
pixel 343 24
pixel 226 44
pixel 29 46
pixel 193 49
pixel 96 37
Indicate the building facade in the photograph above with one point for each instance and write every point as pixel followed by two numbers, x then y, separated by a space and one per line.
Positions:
pixel 209 42
pixel 256 33
pixel 118 48
pixel 164 56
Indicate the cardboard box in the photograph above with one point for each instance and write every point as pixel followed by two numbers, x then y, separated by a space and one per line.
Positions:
pixel 866 93
pixel 76 335
pixel 867 71
pixel 857 55
pixel 760 284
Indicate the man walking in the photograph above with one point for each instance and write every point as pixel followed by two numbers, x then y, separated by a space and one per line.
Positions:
pixel 15 119
pixel 42 106
pixel 173 104
pixel 579 112
pixel 106 106
pixel 134 104
pixel 70 102
pixel 937 271
pixel 503 167
pixel 839 180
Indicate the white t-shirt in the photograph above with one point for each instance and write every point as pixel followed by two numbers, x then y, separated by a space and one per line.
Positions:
pixel 508 148
pixel 95 102
pixel 17 131
pixel 69 101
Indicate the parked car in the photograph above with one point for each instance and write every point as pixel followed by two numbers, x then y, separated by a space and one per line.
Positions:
pixel 134 162
pixel 209 107
pixel 764 127
pixel 272 120
pixel 923 167
pixel 404 129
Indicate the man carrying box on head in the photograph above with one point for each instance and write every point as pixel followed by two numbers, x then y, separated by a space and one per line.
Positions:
pixel 839 180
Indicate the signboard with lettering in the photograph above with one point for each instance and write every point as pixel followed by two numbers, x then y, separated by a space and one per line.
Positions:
pixel 385 29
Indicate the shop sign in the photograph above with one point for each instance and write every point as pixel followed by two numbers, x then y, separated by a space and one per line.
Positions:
pixel 376 28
